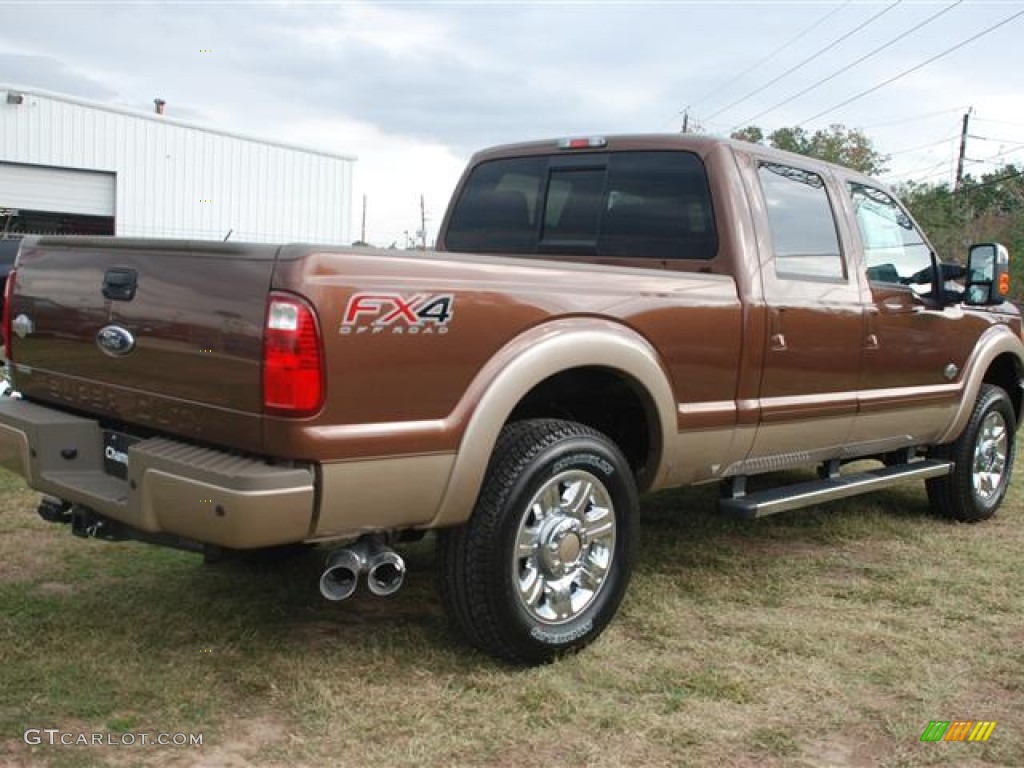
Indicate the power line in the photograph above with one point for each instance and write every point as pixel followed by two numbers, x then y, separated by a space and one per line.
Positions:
pixel 921 179
pixel 771 55
pixel 906 72
pixel 916 171
pixel 922 146
pixel 848 67
pixel 809 59
pixel 1010 151
pixel 995 141
pixel 990 182
pixel 999 122
pixel 915 118
pixel 972 186
pixel 922 169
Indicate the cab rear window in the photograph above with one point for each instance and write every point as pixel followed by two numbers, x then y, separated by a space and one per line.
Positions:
pixel 623 204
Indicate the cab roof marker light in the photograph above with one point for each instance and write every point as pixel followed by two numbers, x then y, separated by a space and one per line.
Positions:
pixel 592 142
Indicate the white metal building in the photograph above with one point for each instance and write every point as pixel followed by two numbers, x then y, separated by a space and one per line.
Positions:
pixel 72 166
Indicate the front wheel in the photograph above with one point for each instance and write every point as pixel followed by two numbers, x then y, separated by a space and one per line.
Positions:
pixel 982 460
pixel 542 564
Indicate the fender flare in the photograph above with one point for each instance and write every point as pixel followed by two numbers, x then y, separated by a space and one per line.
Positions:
pixel 996 341
pixel 528 360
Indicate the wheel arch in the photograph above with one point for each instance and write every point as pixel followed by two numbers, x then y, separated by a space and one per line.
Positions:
pixel 530 375
pixel 998 359
pixel 609 400
pixel 1007 371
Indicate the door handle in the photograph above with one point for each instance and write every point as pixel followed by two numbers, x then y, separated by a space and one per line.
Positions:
pixel 777 337
pixel 898 306
pixel 119 283
pixel 871 341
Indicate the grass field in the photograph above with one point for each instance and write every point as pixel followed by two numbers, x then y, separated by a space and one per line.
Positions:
pixel 828 637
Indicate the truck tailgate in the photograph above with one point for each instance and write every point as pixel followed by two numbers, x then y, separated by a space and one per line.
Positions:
pixel 179 353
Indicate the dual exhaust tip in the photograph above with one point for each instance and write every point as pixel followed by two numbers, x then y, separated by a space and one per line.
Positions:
pixel 384 569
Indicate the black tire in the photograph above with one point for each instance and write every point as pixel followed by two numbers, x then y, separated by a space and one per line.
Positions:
pixel 482 576
pixel 958 495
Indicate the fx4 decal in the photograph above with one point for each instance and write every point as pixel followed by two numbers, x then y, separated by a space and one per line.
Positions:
pixel 395 313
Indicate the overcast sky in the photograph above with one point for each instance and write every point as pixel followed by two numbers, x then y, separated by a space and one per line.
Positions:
pixel 414 88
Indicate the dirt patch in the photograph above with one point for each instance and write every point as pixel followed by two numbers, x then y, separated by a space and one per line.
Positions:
pixel 54 589
pixel 27 554
pixel 241 742
pixel 846 751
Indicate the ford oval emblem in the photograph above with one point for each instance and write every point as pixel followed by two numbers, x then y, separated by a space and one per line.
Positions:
pixel 115 340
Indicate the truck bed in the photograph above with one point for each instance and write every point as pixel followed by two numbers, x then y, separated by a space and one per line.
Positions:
pixel 196 317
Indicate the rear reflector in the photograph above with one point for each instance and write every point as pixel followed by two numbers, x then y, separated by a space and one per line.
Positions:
pixel 591 142
pixel 293 374
pixel 6 334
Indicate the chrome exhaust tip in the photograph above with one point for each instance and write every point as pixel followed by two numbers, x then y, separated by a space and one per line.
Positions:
pixel 384 569
pixel 341 575
pixel 385 572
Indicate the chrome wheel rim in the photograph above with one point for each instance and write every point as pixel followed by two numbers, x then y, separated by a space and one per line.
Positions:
pixel 564 547
pixel 990 452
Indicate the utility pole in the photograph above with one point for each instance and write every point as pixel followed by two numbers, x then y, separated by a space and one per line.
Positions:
pixel 686 120
pixel 963 151
pixel 423 223
pixel 362 231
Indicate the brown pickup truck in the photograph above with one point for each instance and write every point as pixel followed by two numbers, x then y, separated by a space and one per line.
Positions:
pixel 605 317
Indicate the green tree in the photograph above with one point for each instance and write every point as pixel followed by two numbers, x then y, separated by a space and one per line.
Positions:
pixel 836 144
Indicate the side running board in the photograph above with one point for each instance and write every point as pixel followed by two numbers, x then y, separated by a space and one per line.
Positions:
pixel 769 502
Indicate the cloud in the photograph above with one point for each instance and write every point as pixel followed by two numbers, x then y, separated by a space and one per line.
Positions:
pixel 393 211
pixel 414 88
pixel 50 74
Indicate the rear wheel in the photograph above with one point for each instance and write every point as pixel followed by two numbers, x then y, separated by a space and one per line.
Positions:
pixel 982 460
pixel 541 566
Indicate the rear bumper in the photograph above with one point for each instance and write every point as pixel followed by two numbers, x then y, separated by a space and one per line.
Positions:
pixel 200 494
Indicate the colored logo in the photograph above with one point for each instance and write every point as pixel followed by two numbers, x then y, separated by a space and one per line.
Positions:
pixel 958 730
pixel 395 313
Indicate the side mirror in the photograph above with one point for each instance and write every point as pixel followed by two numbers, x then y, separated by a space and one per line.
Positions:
pixel 988 274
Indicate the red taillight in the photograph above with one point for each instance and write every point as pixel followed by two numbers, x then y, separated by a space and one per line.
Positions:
pixel 8 293
pixel 293 375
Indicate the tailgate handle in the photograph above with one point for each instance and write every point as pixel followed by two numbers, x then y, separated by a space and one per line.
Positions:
pixel 119 283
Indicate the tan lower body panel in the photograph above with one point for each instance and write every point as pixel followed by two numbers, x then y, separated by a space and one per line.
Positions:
pixel 921 425
pixel 214 514
pixel 700 456
pixel 804 440
pixel 381 494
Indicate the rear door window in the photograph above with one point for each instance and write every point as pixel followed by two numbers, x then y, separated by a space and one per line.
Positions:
pixel 658 206
pixel 625 204
pixel 802 225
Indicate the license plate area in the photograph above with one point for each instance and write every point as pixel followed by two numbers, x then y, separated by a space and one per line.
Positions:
pixel 115 453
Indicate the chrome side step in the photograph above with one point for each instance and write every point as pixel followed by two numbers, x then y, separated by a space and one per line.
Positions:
pixel 762 503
